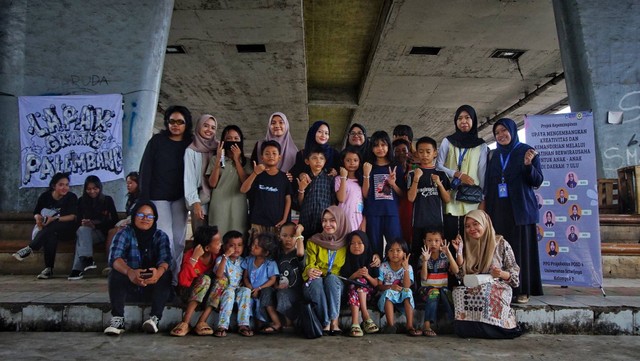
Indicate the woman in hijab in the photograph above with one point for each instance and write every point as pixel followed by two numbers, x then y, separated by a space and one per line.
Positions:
pixel 486 253
pixel 197 192
pixel 512 174
pixel 325 255
pixel 140 256
pixel 317 136
pixel 357 138
pixel 278 130
pixel 463 157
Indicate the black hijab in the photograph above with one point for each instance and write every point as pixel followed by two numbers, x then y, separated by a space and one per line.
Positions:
pixel 353 262
pixel 144 237
pixel 469 139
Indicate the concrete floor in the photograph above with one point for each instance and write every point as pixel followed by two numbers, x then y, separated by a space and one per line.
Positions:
pixel 129 346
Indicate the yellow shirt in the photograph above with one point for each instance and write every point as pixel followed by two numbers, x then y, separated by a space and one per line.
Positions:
pixel 470 165
pixel 318 257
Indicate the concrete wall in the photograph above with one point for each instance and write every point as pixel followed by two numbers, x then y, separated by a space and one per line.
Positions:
pixel 600 47
pixel 79 47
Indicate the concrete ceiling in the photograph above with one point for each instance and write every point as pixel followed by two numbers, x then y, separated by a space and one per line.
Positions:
pixel 349 61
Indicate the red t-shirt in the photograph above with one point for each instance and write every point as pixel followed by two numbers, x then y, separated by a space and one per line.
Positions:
pixel 188 272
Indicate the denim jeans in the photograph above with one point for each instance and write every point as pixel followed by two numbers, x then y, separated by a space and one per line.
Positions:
pixel 172 219
pixel 325 293
pixel 86 238
pixel 432 302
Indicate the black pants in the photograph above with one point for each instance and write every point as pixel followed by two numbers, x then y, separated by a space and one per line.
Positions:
pixel 48 237
pixel 121 290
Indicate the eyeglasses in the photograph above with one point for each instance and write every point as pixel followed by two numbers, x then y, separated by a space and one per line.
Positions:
pixel 356 134
pixel 149 216
pixel 176 122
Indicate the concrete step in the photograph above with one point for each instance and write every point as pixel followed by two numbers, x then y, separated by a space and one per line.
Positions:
pixel 27 304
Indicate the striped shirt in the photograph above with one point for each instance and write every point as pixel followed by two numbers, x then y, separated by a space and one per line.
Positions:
pixel 437 272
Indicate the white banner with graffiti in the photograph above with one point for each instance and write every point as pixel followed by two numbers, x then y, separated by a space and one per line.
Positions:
pixel 79 134
pixel 569 228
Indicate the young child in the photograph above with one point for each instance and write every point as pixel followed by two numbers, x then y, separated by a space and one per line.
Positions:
pixel 260 274
pixel 401 155
pixel 358 267
pixel 194 280
pixel 395 280
pixel 382 187
pixel 315 192
pixel 437 260
pixel 428 189
pixel 229 267
pixel 290 259
pixel 269 191
pixel 348 188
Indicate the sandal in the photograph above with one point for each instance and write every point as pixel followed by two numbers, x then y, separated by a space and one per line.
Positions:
pixel 370 326
pixel 220 332
pixel 356 331
pixel 429 333
pixel 245 331
pixel 181 329
pixel 269 330
pixel 203 329
pixel 413 332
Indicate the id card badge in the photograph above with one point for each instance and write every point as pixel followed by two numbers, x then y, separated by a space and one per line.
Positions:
pixel 502 190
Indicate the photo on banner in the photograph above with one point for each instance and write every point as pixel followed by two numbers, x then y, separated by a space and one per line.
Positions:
pixel 569 226
pixel 79 134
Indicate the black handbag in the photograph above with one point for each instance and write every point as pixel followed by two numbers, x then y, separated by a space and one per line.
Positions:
pixel 308 322
pixel 469 194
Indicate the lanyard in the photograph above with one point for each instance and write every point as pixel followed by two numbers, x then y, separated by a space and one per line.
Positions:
pixel 461 158
pixel 504 162
pixel 332 257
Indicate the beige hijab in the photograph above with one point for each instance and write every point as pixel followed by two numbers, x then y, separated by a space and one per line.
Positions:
pixel 334 241
pixel 478 253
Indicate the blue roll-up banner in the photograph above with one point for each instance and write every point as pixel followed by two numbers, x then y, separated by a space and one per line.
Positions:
pixel 569 227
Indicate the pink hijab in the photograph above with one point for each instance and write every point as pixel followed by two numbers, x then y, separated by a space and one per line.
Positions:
pixel 206 147
pixel 288 147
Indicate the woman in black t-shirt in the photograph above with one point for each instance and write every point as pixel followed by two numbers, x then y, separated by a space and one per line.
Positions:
pixel 55 216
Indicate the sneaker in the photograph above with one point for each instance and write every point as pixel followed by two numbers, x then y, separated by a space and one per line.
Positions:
pixel 522 299
pixel 116 327
pixel 151 325
pixel 23 253
pixel 75 275
pixel 89 264
pixel 45 274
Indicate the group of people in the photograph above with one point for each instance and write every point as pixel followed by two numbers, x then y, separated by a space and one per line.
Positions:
pixel 369 215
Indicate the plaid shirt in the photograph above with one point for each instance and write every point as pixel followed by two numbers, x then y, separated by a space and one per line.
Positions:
pixel 125 246
pixel 318 196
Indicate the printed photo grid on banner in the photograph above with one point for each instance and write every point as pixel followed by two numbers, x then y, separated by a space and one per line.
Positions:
pixel 80 134
pixel 569 227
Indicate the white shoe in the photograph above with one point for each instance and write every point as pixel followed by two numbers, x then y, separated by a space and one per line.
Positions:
pixel 151 325
pixel 116 327
pixel 45 274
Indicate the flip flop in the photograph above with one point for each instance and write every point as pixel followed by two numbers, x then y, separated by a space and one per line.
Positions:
pixel 181 329
pixel 245 331
pixel 220 332
pixel 413 332
pixel 270 330
pixel 429 333
pixel 203 329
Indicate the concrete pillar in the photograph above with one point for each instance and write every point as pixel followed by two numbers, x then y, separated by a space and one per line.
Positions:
pixel 600 48
pixel 80 47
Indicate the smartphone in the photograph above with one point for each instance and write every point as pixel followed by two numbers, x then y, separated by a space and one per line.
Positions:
pixel 146 274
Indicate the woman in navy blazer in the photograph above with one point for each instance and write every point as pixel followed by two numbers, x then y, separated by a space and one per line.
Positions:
pixel 512 174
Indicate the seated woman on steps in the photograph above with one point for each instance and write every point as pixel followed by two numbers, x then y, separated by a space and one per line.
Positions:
pixel 55 216
pixel 97 214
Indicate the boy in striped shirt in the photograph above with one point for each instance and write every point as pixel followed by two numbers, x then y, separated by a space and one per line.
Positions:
pixel 437 262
